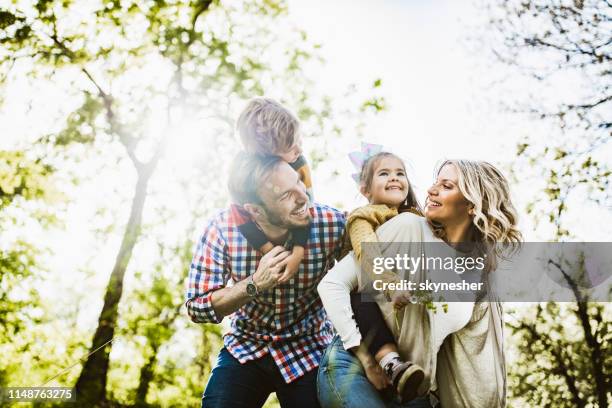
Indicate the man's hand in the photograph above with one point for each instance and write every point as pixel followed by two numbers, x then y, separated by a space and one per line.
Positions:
pixel 270 268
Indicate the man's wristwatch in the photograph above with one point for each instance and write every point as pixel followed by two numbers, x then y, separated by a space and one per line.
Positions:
pixel 251 288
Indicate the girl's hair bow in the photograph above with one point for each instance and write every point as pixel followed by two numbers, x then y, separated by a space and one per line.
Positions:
pixel 359 158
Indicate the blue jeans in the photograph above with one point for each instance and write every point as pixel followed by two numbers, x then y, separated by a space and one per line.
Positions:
pixel 232 384
pixel 342 382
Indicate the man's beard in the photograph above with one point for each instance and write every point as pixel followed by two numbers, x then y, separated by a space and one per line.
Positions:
pixel 284 222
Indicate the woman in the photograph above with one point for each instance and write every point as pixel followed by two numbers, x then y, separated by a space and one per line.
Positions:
pixel 469 202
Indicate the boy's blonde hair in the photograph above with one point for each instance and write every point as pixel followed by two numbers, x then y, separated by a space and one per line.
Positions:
pixel 267 127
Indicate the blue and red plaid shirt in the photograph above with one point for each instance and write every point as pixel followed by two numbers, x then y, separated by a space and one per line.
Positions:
pixel 288 321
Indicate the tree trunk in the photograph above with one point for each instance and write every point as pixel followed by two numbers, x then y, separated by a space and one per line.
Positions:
pixel 91 385
pixel 146 375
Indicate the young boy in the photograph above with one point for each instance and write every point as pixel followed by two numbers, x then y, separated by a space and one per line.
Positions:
pixel 268 128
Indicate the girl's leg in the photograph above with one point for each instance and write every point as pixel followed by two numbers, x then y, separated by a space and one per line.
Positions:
pixel 405 376
pixel 372 327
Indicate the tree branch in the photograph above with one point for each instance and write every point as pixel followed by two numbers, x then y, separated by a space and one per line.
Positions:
pixel 126 140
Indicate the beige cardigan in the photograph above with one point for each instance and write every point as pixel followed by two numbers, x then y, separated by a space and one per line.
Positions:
pixel 460 351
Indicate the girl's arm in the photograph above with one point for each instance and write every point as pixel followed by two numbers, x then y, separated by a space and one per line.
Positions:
pixel 361 226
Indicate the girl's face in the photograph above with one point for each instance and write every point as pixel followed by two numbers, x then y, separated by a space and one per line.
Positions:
pixel 389 183
pixel 445 202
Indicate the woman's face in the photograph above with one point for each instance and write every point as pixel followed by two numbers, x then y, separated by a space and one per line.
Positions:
pixel 445 203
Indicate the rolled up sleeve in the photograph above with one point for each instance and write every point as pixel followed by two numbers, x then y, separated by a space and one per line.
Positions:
pixel 207 273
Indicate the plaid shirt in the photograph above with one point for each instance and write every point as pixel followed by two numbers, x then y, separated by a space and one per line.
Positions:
pixel 288 321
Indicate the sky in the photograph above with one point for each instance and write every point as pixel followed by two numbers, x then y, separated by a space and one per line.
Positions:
pixel 430 80
pixel 441 94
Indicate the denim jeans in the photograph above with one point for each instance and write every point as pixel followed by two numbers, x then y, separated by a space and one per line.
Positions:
pixel 342 382
pixel 232 384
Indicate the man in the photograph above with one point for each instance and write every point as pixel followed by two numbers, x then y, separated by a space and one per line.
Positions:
pixel 279 329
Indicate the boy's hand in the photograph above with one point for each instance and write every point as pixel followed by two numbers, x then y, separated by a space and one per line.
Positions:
pixel 293 264
pixel 267 247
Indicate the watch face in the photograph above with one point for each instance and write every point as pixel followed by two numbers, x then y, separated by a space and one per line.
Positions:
pixel 251 289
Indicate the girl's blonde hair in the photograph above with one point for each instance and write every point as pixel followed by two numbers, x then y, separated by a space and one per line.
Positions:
pixel 367 175
pixel 495 218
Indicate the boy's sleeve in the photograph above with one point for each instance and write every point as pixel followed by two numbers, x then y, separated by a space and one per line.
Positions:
pixel 301 235
pixel 208 272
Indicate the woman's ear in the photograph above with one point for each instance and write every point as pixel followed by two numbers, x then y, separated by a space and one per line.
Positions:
pixel 471 211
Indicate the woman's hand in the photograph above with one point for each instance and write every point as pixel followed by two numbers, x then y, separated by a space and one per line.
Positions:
pixel 401 298
pixel 372 369
pixel 376 376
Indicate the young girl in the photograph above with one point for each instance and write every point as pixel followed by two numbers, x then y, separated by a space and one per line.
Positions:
pixel 382 180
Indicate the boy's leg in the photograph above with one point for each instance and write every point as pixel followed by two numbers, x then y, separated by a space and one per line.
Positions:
pixel 236 385
pixel 254 236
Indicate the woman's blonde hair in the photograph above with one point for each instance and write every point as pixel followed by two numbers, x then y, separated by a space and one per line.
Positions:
pixel 495 218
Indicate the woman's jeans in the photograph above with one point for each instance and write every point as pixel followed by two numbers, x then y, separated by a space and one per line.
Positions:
pixel 342 382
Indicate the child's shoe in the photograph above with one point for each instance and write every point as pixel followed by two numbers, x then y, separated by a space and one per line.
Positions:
pixel 406 378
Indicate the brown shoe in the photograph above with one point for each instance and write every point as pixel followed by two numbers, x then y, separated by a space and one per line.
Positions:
pixel 407 378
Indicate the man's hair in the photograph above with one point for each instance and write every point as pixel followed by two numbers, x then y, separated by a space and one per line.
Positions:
pixel 266 127
pixel 247 174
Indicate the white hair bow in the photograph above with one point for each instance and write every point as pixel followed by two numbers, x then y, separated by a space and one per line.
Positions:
pixel 359 158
